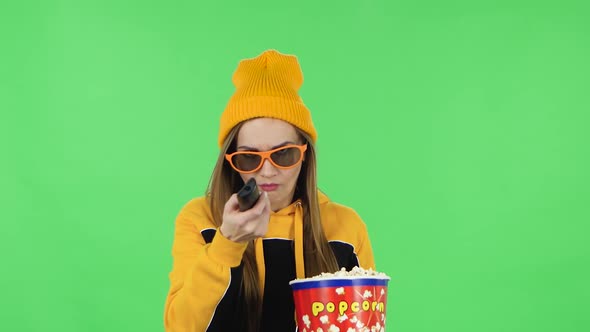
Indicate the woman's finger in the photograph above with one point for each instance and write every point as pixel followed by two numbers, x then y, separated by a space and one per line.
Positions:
pixel 232 204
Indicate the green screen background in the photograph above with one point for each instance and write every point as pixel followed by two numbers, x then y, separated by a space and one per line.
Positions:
pixel 457 129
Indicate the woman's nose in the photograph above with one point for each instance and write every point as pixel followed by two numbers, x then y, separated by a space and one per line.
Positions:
pixel 268 169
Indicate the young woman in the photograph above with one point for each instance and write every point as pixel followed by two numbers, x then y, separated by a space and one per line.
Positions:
pixel 232 269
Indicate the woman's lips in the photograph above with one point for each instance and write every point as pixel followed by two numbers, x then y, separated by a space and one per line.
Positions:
pixel 269 186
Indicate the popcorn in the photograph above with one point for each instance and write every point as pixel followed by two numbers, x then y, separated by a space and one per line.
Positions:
pixel 338 306
pixel 377 328
pixel 355 272
pixel 334 328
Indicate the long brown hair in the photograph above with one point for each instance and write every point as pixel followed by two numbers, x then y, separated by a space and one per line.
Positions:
pixel 318 255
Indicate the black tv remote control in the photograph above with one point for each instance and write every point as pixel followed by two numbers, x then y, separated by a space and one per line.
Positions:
pixel 248 195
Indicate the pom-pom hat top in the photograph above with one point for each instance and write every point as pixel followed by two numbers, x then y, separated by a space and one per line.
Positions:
pixel 267 86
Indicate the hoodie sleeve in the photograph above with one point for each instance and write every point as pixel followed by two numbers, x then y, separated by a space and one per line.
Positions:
pixel 357 228
pixel 202 272
pixel 365 250
pixel 343 224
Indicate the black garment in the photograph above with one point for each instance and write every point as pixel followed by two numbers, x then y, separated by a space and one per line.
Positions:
pixel 278 307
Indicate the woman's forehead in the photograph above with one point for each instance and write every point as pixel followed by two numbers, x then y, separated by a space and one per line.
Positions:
pixel 265 133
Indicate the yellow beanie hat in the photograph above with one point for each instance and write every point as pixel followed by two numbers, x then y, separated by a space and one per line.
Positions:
pixel 267 86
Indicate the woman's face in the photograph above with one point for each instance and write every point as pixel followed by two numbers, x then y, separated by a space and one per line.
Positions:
pixel 263 134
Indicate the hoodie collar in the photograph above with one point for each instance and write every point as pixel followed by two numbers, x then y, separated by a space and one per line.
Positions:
pixel 290 209
pixel 296 210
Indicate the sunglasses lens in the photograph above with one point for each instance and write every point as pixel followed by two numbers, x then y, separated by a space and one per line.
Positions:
pixel 246 161
pixel 286 157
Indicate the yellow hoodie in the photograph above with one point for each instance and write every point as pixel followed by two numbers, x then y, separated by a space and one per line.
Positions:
pixel 206 275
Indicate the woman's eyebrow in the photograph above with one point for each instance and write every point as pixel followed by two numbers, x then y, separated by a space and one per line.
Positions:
pixel 245 147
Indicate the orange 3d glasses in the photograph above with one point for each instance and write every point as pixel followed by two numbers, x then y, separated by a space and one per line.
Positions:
pixel 285 157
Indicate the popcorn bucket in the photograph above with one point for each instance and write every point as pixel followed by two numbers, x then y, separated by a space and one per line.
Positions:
pixel 340 303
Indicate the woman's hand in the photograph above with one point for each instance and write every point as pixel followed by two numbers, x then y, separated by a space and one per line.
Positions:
pixel 248 225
